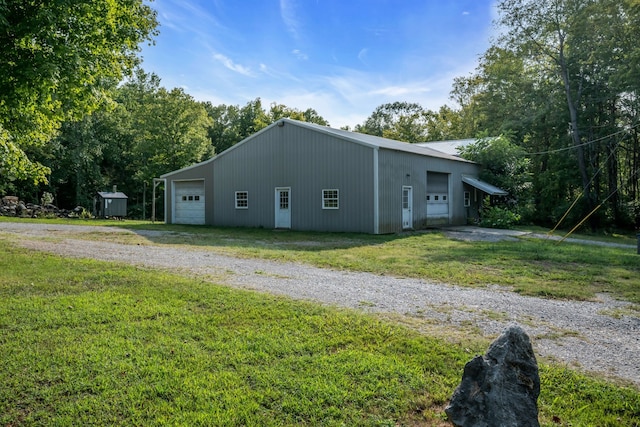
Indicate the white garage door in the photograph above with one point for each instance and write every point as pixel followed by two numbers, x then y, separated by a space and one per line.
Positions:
pixel 189 202
pixel 437 198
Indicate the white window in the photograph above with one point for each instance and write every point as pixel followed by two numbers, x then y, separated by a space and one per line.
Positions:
pixel 330 199
pixel 242 200
pixel 467 199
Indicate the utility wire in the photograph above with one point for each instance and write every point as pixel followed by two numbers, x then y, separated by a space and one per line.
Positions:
pixel 585 189
pixel 557 150
pixel 596 208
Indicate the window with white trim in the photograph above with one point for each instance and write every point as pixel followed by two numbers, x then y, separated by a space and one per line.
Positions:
pixel 467 199
pixel 330 199
pixel 242 200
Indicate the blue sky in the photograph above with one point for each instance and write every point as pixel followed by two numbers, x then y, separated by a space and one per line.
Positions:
pixel 342 58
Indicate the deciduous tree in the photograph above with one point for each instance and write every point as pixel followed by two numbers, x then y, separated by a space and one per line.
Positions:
pixel 56 57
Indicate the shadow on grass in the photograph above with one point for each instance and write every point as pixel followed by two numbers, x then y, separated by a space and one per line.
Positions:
pixel 244 237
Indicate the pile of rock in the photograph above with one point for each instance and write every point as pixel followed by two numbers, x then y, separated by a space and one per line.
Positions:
pixel 13 206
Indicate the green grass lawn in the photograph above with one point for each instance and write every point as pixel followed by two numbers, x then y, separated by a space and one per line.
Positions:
pixel 528 266
pixel 92 343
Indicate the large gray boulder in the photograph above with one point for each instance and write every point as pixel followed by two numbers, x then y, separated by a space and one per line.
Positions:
pixel 501 388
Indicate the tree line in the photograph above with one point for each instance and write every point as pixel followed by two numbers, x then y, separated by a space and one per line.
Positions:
pixel 559 89
pixel 562 82
pixel 145 131
pixel 553 104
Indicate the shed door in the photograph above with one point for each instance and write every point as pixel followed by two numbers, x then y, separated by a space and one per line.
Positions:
pixel 283 207
pixel 407 207
pixel 189 202
pixel 107 207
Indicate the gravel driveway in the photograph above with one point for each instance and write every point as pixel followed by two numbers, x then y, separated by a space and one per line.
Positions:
pixel 584 334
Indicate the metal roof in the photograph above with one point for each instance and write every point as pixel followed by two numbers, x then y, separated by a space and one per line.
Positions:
pixel 358 138
pixel 449 147
pixel 484 186
pixel 111 195
pixel 376 141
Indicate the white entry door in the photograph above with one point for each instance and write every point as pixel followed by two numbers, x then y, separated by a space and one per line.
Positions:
pixel 283 207
pixel 407 207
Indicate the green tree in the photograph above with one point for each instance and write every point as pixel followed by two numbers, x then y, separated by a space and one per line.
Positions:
pixel 562 79
pixel 168 128
pixel 223 131
pixel 91 155
pixel 581 48
pixel 144 132
pixel 58 57
pixel 402 121
pixel 280 111
pixel 232 123
pixel 446 124
pixel 500 96
pixel 504 164
pixel 77 167
pixel 410 122
pixel 15 165
pixel 252 118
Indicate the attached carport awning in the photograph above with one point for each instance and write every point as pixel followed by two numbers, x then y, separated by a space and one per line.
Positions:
pixel 492 190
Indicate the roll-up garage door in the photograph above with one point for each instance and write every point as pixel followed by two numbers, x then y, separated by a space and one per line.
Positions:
pixel 188 202
pixel 437 198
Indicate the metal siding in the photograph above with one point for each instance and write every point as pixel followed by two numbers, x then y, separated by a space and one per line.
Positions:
pixel 307 162
pixel 114 207
pixel 202 171
pixel 398 169
pixel 437 182
pixel 458 213
pixel 394 166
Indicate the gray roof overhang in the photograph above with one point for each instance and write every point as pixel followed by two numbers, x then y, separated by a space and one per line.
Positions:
pixel 484 186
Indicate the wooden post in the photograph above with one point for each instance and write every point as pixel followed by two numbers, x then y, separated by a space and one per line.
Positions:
pixel 156 182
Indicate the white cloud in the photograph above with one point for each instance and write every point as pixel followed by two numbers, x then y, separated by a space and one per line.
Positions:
pixel 396 91
pixel 361 93
pixel 300 55
pixel 178 16
pixel 205 93
pixel 327 104
pixel 203 14
pixel 362 55
pixel 227 62
pixel 278 74
pixel 289 17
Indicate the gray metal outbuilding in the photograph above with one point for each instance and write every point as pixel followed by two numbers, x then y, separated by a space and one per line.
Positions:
pixel 303 176
pixel 111 204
